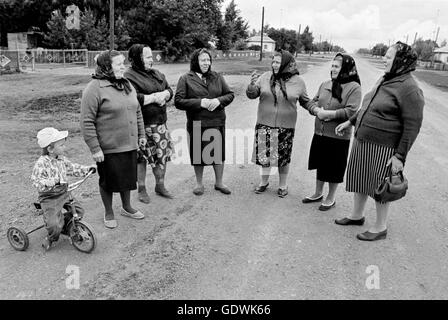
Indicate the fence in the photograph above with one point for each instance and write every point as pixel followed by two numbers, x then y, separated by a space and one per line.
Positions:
pixel 22 60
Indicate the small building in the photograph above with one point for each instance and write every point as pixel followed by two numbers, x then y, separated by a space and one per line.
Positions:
pixel 24 40
pixel 268 43
pixel 441 54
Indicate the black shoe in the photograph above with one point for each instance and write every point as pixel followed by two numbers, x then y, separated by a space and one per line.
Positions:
pixel 261 189
pixel 311 200
pixel 324 207
pixel 282 192
pixel 224 190
pixel 350 222
pixel 370 236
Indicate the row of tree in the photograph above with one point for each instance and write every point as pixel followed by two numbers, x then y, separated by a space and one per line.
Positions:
pixel 175 26
pixel 424 49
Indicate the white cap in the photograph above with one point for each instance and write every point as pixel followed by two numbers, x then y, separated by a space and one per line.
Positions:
pixel 47 136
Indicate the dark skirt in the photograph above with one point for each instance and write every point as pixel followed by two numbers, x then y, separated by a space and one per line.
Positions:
pixel 159 146
pixel 272 146
pixel 367 167
pixel 118 171
pixel 329 156
pixel 207 145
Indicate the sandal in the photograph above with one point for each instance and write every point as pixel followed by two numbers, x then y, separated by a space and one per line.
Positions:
pixel 282 192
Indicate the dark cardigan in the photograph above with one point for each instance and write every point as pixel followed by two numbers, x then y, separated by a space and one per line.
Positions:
pixel 391 115
pixel 191 89
pixel 146 84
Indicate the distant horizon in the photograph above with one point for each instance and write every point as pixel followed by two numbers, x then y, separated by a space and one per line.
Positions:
pixel 361 24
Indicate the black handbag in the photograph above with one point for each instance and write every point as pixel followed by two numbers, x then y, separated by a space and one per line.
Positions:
pixel 392 188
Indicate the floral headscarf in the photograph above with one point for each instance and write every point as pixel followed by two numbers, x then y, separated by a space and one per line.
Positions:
pixel 288 68
pixel 347 74
pixel 104 71
pixel 404 62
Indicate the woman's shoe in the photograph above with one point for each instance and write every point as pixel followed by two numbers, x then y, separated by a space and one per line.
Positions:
pixel 137 215
pixel 310 200
pixel 282 192
pixel 143 195
pixel 261 189
pixel 350 222
pixel 324 207
pixel 370 236
pixel 199 191
pixel 224 189
pixel 110 224
pixel 161 191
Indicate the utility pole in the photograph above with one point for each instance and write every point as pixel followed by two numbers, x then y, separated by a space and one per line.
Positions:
pixel 262 30
pixel 111 24
pixel 407 38
pixel 415 38
pixel 437 36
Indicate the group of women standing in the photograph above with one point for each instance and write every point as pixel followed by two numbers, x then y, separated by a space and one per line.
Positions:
pixel 123 120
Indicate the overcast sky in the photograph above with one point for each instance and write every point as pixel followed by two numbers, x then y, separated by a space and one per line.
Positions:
pixel 353 24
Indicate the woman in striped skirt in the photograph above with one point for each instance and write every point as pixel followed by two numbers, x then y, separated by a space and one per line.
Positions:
pixel 386 126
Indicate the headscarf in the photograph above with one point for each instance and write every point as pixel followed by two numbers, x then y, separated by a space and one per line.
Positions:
pixel 104 71
pixel 348 73
pixel 288 68
pixel 135 56
pixel 194 61
pixel 404 62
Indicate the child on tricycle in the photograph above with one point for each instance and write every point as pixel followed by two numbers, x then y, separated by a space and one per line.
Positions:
pixel 50 178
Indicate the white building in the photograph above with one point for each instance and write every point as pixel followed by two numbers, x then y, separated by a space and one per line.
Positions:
pixel 268 43
pixel 441 54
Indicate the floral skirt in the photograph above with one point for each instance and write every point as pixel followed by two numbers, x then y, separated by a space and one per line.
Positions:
pixel 159 146
pixel 272 146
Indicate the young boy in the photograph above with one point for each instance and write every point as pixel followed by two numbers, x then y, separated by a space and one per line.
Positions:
pixel 50 178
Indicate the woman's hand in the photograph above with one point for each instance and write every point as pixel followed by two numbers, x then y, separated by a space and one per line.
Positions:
pixel 254 77
pixel 99 156
pixel 342 127
pixel 397 164
pixel 214 103
pixel 324 115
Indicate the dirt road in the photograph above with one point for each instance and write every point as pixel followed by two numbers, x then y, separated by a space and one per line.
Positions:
pixel 248 246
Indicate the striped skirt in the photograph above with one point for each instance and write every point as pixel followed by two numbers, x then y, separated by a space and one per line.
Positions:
pixel 367 167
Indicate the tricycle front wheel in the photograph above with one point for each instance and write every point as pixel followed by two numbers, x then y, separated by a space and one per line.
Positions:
pixel 82 236
pixel 18 238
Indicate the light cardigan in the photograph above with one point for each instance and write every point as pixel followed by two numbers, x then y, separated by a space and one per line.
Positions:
pixel 284 114
pixel 111 121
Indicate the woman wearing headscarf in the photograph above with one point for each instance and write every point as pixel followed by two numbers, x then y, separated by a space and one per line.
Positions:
pixel 386 127
pixel 204 94
pixel 112 127
pixel 153 92
pixel 335 102
pixel 278 91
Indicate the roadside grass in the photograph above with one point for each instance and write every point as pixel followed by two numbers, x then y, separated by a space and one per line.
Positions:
pixel 436 78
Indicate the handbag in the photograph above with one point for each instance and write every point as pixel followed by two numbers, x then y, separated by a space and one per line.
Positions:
pixel 392 188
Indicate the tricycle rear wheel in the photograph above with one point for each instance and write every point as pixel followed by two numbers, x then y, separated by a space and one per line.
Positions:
pixel 18 238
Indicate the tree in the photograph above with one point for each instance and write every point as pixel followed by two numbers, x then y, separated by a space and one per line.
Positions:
pixel 59 37
pixel 122 37
pixel 379 49
pixel 232 29
pixel 443 44
pixel 306 39
pixel 94 32
pixel 425 48
pixel 284 39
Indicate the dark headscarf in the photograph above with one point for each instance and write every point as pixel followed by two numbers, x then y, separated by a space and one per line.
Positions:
pixel 104 71
pixel 194 61
pixel 135 56
pixel 288 68
pixel 347 74
pixel 404 62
